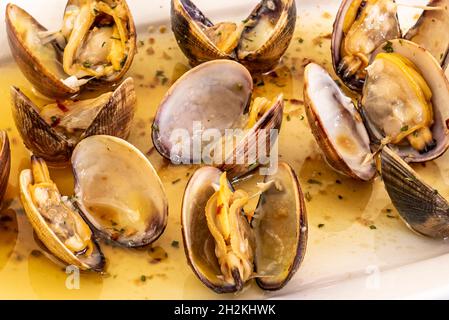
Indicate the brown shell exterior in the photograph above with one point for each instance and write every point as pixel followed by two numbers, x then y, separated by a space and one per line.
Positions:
pixel 37 135
pixel 268 56
pixel 5 163
pixel 272 120
pixel 115 119
pixel 193 43
pixel 33 70
pixel 198 48
pixel 420 206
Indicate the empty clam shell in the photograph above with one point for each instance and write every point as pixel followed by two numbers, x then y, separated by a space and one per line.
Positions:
pixel 379 94
pixel 281 230
pixel 421 207
pixel 111 114
pixel 259 42
pixel 118 191
pixel 337 125
pixel 96 44
pixel 5 163
pixel 278 232
pixel 430 31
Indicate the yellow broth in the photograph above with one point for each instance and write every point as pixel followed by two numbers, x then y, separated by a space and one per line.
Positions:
pixel 352 225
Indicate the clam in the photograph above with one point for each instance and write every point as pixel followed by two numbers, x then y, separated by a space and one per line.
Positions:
pixel 258 42
pixel 96 43
pixel 430 31
pixel 5 162
pixel 56 221
pixel 421 207
pixel 337 125
pixel 405 100
pixel 226 247
pixel 118 196
pixel 52 132
pixel 194 119
pixel 359 28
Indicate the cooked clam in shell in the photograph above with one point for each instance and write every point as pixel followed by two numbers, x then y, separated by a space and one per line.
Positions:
pixel 430 31
pixel 130 208
pixel 359 28
pixel 96 43
pixel 405 101
pixel 53 131
pixel 56 221
pixel 211 99
pixel 337 125
pixel 258 42
pixel 5 163
pixel 226 247
pixel 422 208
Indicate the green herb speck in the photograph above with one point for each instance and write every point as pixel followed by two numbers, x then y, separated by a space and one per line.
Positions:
pixel 388 47
pixel 314 181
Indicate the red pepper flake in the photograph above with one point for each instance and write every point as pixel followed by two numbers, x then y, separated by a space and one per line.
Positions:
pixel 296 101
pixel 219 209
pixel 61 106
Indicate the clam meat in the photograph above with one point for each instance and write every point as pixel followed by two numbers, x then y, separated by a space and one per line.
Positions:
pixel 227 246
pixel 360 27
pixel 96 43
pixel 405 101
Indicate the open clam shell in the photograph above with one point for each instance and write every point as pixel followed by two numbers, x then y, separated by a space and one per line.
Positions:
pixel 199 244
pixel 430 31
pixel 206 103
pixel 278 232
pixel 258 43
pixel 44 220
pixel 371 35
pixel 39 63
pixel 281 230
pixel 5 163
pixel 422 208
pixel 118 191
pixel 434 76
pixel 59 64
pixel 337 125
pixel 110 115
pixel 262 53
